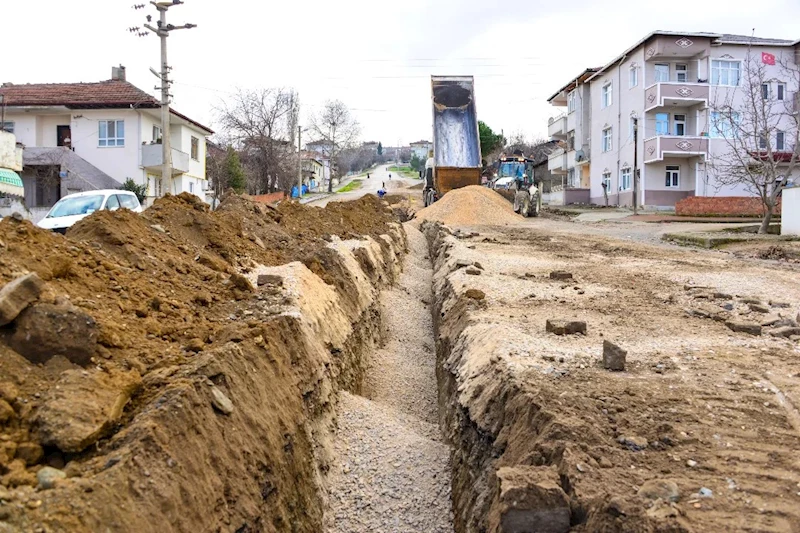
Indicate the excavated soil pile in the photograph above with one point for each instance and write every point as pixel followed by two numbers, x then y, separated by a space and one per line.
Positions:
pixel 469 206
pixel 157 376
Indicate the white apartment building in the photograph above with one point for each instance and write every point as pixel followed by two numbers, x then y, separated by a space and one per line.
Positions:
pixel 572 129
pixel 95 136
pixel 672 86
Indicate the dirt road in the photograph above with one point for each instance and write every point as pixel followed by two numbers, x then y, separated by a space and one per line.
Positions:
pixel 392 471
pixel 377 179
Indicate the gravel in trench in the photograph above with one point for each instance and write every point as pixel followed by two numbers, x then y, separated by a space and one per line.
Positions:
pixel 392 472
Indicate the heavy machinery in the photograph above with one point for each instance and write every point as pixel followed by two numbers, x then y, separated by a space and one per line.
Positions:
pixel 523 191
pixel 456 158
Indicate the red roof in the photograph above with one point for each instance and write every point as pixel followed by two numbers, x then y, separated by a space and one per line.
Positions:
pixel 99 95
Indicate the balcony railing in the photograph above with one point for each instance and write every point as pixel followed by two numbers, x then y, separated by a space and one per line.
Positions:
pixel 675 94
pixel 153 159
pixel 657 148
pixel 557 162
pixel 557 126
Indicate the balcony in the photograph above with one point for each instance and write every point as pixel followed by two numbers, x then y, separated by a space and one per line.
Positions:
pixel 657 148
pixel 675 94
pixel 557 127
pixel 152 159
pixel 557 162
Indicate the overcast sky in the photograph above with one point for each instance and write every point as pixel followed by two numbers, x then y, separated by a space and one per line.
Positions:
pixel 375 56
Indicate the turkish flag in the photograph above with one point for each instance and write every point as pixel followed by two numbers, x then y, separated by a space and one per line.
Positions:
pixel 767 59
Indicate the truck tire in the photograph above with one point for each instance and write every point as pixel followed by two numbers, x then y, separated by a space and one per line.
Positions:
pixel 534 210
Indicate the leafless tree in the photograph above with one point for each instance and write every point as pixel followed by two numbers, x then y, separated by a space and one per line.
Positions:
pixel 337 127
pixel 759 132
pixel 260 123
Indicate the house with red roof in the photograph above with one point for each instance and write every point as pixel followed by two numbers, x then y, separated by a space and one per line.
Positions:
pixel 85 136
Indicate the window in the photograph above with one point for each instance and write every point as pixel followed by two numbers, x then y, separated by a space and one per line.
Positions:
pixel 156 133
pixel 725 72
pixel 607 145
pixel 762 141
pixel 571 178
pixel 195 148
pixel 572 101
pixel 606 96
pixel 571 140
pixel 662 72
pixel 662 124
pixel 765 91
pixel 128 201
pixel 7 126
pixel 679 122
pixel 606 183
pixel 625 179
pixel 673 175
pixel 780 91
pixel 631 127
pixel 724 123
pixel 780 141
pixel 111 133
pixel 112 204
pixel 681 73
pixel 191 187
pixel 633 79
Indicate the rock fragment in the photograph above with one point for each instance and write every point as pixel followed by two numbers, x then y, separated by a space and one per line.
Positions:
pixel 565 327
pixel 613 357
pixel 18 294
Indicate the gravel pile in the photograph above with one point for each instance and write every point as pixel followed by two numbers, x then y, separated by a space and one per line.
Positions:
pixel 393 470
pixel 473 205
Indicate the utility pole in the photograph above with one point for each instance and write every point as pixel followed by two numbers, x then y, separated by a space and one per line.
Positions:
pixel 299 164
pixel 635 165
pixel 162 29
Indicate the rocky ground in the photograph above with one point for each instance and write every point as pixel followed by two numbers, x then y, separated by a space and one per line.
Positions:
pixel 392 470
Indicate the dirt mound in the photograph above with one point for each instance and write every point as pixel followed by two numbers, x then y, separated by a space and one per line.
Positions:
pixel 163 288
pixel 471 206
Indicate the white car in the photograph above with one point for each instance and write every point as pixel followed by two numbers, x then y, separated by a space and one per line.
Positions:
pixel 78 206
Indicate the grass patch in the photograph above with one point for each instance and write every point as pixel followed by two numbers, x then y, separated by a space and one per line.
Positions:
pixel 405 170
pixel 353 185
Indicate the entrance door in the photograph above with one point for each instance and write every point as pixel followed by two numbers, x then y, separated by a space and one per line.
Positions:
pixel 63 136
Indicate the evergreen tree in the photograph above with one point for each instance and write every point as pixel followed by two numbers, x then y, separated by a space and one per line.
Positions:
pixel 234 171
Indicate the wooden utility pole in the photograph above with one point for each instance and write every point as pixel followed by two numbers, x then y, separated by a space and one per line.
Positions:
pixel 635 165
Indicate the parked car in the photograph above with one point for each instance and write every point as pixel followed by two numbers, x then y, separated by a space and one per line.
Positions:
pixel 78 206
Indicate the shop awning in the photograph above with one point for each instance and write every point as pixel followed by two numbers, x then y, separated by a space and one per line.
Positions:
pixel 11 183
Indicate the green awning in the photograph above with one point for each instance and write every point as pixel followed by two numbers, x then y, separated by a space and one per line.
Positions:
pixel 11 183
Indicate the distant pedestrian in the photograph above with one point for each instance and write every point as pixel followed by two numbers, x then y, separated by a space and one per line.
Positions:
pixel 383 185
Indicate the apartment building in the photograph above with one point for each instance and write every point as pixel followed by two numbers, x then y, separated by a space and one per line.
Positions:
pixel 672 88
pixel 572 129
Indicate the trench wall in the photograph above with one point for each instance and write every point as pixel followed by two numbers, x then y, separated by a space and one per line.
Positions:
pixel 181 464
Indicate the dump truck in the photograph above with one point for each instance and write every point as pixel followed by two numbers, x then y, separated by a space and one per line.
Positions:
pixel 456 158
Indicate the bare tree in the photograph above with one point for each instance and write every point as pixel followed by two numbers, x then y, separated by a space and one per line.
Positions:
pixel 759 129
pixel 260 123
pixel 337 127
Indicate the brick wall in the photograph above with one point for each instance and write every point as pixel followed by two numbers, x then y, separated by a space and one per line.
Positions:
pixel 730 206
pixel 269 198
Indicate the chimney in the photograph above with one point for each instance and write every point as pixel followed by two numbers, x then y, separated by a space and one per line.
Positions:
pixel 118 73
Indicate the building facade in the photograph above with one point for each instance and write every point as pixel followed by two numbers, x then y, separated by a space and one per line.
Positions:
pixel 421 149
pixel 660 107
pixel 96 135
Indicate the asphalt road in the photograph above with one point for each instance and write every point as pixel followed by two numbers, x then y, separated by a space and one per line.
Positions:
pixel 377 179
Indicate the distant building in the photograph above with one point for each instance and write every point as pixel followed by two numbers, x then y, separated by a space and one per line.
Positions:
pixel 421 149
